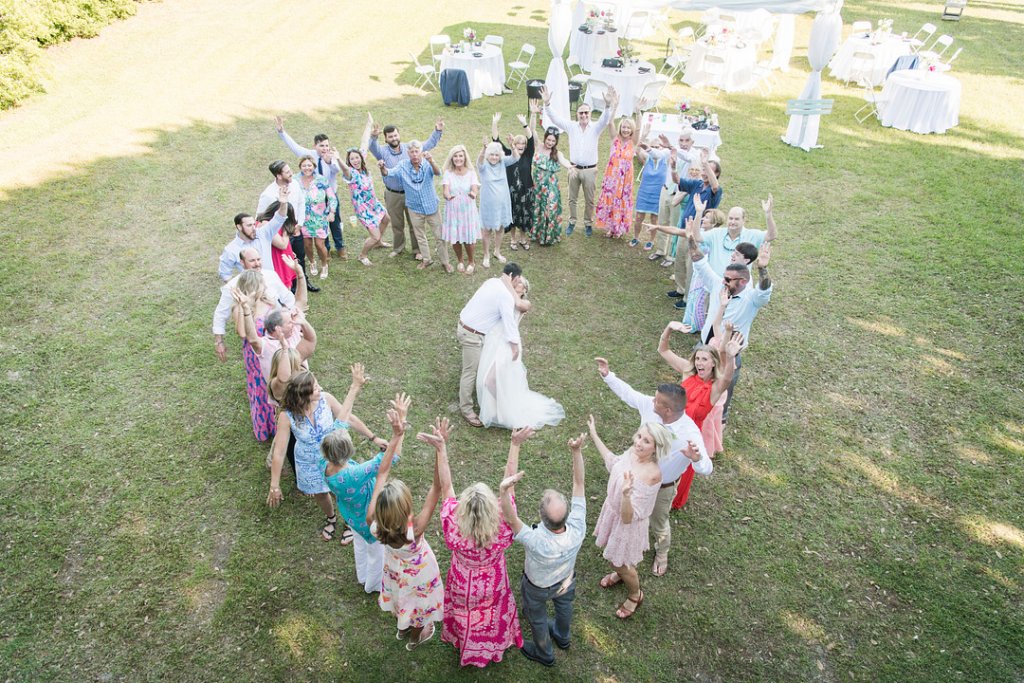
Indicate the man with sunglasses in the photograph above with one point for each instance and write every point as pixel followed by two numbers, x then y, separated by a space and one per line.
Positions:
pixel 742 302
pixel 584 135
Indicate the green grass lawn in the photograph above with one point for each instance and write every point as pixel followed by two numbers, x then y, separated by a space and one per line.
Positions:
pixel 865 522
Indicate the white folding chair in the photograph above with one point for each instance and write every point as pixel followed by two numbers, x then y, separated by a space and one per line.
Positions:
pixel 639 24
pixel 520 65
pixel 918 40
pixel 437 45
pixel 873 104
pixel 650 95
pixel 685 41
pixel 674 63
pixel 426 73
pixel 714 72
pixel 764 77
pixel 861 65
pixel 860 27
pixel 596 90
pixel 949 62
pixel 728 21
pixel 495 40
pixel 934 52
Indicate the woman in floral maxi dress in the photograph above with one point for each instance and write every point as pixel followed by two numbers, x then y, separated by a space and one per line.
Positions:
pixel 614 210
pixel 480 617
pixel 547 198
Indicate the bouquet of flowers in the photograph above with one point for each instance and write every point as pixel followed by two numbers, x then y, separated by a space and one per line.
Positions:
pixel 626 51
pixel 885 25
pixel 684 107
pixel 469 34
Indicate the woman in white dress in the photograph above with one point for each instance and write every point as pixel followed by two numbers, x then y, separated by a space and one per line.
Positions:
pixel 501 387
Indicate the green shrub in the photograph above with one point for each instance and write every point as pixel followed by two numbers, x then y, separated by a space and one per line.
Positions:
pixel 27 26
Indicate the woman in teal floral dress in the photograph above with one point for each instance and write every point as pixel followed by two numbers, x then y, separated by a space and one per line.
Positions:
pixel 547 197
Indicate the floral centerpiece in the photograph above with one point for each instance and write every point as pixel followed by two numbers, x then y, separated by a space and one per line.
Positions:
pixel 684 107
pixel 627 52
pixel 699 119
pixel 469 34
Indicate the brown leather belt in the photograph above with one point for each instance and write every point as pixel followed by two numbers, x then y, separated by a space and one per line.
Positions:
pixel 467 327
pixel 665 486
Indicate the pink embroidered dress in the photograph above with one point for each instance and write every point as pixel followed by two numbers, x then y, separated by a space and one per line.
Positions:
pixel 625 543
pixel 480 617
pixel 615 204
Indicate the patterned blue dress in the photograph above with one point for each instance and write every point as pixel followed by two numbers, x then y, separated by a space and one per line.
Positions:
pixel 308 435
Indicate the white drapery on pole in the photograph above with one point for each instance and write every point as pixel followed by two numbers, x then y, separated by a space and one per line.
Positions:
pixel 825 34
pixel 558 36
pixel 783 47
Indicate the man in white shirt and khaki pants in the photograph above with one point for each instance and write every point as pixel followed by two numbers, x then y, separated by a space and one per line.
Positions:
pixel 492 304
pixel 583 138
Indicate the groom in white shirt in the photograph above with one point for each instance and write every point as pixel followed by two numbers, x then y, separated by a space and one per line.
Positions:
pixel 492 304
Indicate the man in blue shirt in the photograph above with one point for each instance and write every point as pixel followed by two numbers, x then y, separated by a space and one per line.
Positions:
pixel 392 154
pixel 416 179
pixel 247 235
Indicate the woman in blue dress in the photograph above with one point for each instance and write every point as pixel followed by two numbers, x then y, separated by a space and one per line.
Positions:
pixel 654 156
pixel 495 199
pixel 310 414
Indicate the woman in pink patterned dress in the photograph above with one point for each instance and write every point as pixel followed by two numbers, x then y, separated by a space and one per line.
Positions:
pixel 480 617
pixel 412 588
pixel 634 480
pixel 615 204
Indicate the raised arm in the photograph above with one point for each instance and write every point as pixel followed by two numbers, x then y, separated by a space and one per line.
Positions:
pixel 729 351
pixel 765 282
pixel 433 164
pixel 374 144
pixel 611 101
pixel 307 345
pixel 483 151
pixel 606 453
pixel 422 521
pixel 550 115
pixel 505 496
pixel 675 361
pixel 396 416
pixel 435 135
pixel 769 219
pixel 438 438
pixel 301 299
pixel 494 126
pixel 709 169
pixel 343 410
pixel 576 449
pixel 519 437
pixel 630 396
pixel 297 150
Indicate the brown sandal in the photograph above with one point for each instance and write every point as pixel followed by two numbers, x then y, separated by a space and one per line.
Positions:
pixel 609 580
pixel 636 605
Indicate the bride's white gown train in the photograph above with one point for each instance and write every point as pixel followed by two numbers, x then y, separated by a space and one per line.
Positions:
pixel 503 392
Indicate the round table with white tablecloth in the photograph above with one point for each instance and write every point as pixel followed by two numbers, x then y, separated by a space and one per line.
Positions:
pixel 629 82
pixel 486 73
pixel 588 49
pixel 885 50
pixel 920 101
pixel 740 59
pixel 670 125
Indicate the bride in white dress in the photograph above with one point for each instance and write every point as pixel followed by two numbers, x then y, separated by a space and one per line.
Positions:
pixel 501 387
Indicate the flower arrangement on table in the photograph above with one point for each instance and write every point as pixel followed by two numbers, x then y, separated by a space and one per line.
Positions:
pixel 885 25
pixel 703 119
pixel 627 52
pixel 684 107
pixel 469 34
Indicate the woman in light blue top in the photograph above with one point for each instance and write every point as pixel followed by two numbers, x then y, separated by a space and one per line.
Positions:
pixel 495 199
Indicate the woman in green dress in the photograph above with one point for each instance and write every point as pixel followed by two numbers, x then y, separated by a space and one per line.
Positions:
pixel 547 198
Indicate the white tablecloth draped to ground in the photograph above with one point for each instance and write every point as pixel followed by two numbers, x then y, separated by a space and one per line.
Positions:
pixel 486 73
pixel 921 101
pixel 588 49
pixel 886 51
pixel 739 65
pixel 671 125
pixel 628 81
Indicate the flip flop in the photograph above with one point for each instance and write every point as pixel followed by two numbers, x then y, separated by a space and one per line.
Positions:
pixel 347 537
pixel 659 566
pixel 474 420
pixel 430 634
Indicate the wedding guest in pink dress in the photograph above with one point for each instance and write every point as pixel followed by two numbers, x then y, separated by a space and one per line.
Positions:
pixel 615 203
pixel 634 480
pixel 480 617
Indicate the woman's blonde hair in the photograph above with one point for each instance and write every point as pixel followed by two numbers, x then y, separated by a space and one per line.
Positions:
pixel 294 360
pixel 448 165
pixel 519 139
pixel 392 512
pixel 715 358
pixel 251 283
pixel 662 439
pixel 477 515
pixel 337 447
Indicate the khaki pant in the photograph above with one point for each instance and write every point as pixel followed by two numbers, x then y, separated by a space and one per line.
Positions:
pixel 667 215
pixel 586 178
pixel 684 267
pixel 661 528
pixel 395 203
pixel 471 345
pixel 420 222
